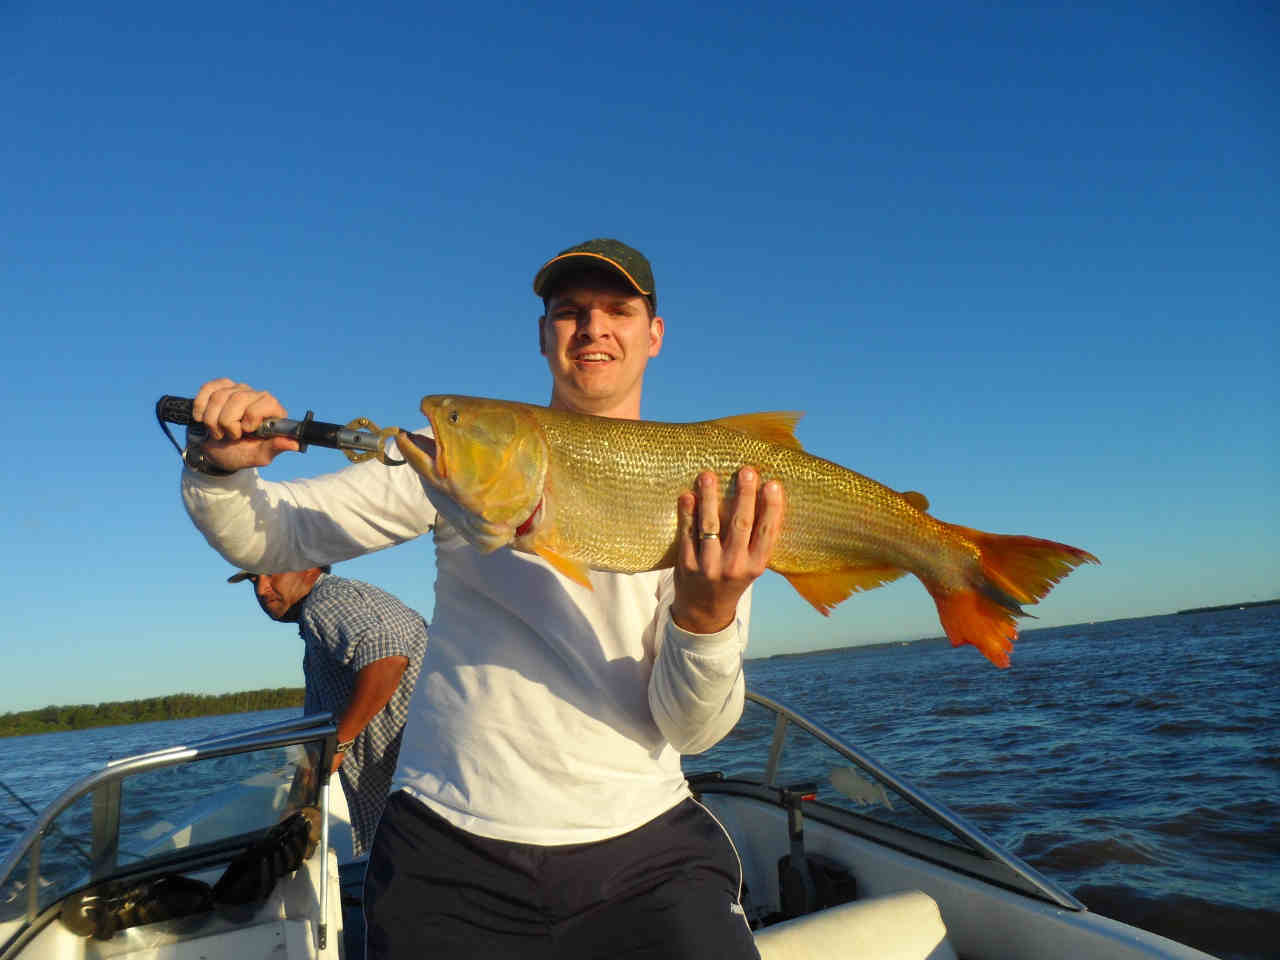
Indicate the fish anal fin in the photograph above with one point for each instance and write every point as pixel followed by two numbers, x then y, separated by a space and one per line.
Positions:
pixel 916 499
pixel 826 589
pixel 778 427
pixel 970 617
pixel 574 570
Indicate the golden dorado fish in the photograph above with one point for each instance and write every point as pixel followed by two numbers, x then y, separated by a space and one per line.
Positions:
pixel 592 492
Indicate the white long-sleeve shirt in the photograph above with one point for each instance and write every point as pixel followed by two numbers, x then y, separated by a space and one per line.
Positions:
pixel 545 713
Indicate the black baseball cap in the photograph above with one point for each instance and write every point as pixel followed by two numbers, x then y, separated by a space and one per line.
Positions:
pixel 246 575
pixel 605 253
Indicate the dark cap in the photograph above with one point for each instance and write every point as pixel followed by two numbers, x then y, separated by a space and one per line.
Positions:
pixel 246 575
pixel 604 253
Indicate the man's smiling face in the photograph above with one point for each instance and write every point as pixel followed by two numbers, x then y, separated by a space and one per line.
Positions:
pixel 598 337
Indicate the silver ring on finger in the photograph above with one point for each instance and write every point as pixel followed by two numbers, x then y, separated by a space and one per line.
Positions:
pixel 709 536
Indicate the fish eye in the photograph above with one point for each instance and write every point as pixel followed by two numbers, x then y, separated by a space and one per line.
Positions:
pixel 453 416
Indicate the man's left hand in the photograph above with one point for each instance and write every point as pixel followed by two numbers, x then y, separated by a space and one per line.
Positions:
pixel 715 564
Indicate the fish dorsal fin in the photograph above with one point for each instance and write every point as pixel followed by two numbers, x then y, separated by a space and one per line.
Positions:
pixel 778 426
pixel 916 499
pixel 825 590
pixel 575 571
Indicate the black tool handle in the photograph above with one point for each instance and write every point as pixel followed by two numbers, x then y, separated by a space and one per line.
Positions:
pixel 306 431
pixel 174 410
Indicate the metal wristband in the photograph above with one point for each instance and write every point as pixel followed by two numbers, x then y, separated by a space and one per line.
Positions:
pixel 345 745
pixel 195 458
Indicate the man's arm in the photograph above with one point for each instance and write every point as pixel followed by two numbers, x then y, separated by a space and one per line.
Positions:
pixel 697 689
pixel 265 526
pixel 376 684
pixel 370 633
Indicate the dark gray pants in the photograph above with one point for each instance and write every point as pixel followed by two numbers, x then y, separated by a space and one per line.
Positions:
pixel 668 889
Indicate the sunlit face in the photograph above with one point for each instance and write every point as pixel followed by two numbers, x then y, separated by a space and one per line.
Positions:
pixel 279 593
pixel 598 339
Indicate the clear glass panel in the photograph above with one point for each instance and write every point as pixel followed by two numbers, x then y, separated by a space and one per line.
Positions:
pixel 13 900
pixel 64 852
pixel 844 784
pixel 161 810
pixel 744 755
pixel 208 801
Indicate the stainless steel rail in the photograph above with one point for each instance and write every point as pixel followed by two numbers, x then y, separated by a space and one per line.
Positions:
pixel 962 828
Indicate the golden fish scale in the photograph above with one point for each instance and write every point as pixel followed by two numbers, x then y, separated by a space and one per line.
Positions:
pixel 612 486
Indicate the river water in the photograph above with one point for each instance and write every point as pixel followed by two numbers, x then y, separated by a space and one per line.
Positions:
pixel 1136 762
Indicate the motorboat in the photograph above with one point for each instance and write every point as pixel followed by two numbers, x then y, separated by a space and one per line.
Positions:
pixel 231 849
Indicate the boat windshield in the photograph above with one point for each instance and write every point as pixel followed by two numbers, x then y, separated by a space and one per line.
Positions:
pixel 149 813
pixel 775 748
pixel 749 753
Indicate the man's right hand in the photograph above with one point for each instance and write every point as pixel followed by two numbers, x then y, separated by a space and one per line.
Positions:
pixel 231 411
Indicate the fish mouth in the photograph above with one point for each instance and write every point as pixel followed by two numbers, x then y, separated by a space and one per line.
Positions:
pixel 432 447
pixel 426 444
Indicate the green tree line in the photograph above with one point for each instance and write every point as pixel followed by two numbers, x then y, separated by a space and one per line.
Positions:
pixel 173 707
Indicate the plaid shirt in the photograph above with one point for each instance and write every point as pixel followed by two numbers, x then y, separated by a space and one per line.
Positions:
pixel 347 625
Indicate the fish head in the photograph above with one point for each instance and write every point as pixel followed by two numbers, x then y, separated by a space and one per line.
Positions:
pixel 486 468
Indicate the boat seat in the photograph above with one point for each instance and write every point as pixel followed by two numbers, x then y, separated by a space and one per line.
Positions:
pixel 897 926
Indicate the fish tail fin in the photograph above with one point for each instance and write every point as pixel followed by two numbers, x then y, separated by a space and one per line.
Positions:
pixel 1013 570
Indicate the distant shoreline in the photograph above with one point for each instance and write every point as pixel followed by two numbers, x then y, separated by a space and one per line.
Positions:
pixel 943 641
pixel 859 647
pixel 1232 606
pixel 177 706
pixel 56 719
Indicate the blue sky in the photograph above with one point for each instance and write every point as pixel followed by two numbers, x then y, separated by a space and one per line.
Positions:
pixel 1024 261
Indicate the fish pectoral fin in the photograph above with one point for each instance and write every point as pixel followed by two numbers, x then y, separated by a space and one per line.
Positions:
pixel 825 590
pixel 575 571
pixel 777 427
pixel 916 499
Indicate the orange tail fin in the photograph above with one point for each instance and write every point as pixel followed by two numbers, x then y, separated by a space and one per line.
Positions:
pixel 1014 571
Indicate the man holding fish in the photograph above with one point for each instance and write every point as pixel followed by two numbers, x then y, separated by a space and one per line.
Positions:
pixel 539 808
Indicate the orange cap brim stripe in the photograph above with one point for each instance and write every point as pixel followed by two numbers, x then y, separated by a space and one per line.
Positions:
pixel 583 253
